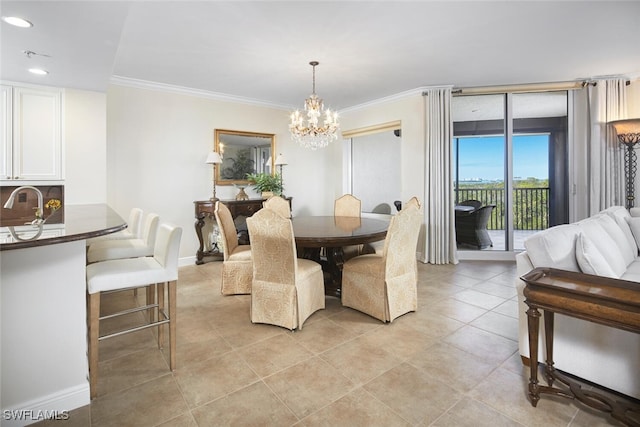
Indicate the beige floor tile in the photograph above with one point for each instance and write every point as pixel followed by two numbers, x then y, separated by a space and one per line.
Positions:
pixel 506 392
pixel 147 404
pixel 400 339
pixel 254 405
pixel 435 325
pixel 360 360
pixel 184 420
pixel 356 322
pixel 413 394
pixel 487 346
pixel 479 299
pixel 213 378
pixel 498 324
pixel 496 289
pixel 471 413
pixel 274 354
pixel 80 417
pixel 309 386
pixel 508 308
pixel 130 370
pixel 452 366
pixel 358 408
pixel 458 310
pixel 322 335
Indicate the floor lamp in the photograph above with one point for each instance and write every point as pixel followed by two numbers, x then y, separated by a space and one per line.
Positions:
pixel 280 162
pixel 214 159
pixel 628 132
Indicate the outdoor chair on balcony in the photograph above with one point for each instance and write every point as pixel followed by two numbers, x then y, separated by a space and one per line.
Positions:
pixel 473 203
pixel 471 228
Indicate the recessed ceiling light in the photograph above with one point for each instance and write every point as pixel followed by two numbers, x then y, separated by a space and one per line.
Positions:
pixel 38 71
pixel 18 22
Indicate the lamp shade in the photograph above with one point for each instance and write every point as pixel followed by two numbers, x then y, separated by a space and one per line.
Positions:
pixel 281 160
pixel 213 158
pixel 628 130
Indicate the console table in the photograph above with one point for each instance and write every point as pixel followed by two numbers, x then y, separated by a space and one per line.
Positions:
pixel 205 208
pixel 610 302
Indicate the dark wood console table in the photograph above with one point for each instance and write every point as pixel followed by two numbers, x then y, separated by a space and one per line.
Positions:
pixel 610 302
pixel 205 208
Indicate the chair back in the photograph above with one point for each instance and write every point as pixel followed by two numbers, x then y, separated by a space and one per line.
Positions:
pixel 227 228
pixel 401 242
pixel 273 249
pixel 413 201
pixel 481 216
pixel 347 205
pixel 134 224
pixel 474 203
pixel 167 249
pixel 150 229
pixel 279 205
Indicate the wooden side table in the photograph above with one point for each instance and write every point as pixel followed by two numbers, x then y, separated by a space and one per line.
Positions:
pixel 204 209
pixel 610 302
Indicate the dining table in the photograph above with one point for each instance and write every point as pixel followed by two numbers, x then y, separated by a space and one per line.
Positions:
pixel 323 238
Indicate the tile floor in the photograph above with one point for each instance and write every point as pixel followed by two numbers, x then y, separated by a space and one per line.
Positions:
pixel 454 362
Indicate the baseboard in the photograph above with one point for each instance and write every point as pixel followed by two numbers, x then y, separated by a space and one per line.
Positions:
pixel 53 406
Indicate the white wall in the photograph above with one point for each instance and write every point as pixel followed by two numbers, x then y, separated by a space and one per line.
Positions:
pixel 85 134
pixel 157 143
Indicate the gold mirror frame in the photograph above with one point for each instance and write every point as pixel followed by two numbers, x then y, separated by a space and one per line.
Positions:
pixel 243 152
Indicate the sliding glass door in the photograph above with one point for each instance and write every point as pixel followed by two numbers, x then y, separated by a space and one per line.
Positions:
pixel 510 155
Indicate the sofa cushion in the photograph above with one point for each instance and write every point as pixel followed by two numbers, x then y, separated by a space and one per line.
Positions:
pixel 597 228
pixel 620 214
pixel 554 247
pixel 628 251
pixel 634 226
pixel 590 259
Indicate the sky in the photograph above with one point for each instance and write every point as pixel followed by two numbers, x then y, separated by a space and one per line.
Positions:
pixel 483 157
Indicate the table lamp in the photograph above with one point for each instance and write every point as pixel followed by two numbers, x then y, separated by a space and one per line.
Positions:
pixel 214 159
pixel 628 132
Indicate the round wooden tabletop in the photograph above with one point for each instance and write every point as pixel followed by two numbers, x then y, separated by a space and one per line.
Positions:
pixel 336 231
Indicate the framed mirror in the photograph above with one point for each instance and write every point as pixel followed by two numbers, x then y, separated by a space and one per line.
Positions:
pixel 243 153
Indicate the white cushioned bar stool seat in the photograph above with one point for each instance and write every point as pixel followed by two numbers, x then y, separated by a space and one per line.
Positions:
pixel 126 248
pixel 131 273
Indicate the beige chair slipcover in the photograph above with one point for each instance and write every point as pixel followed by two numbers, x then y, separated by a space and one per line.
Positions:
pixel 385 286
pixel 286 290
pixel 237 267
pixel 278 204
pixel 378 247
pixel 349 206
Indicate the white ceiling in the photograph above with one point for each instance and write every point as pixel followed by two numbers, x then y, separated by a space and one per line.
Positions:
pixel 367 49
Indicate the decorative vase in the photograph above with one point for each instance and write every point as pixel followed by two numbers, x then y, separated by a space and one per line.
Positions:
pixel 267 194
pixel 241 194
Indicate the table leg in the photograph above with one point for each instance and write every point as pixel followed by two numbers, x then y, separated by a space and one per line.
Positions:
pixel 335 262
pixel 548 333
pixel 200 253
pixel 533 323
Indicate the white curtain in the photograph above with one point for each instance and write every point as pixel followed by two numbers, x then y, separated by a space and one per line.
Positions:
pixel 606 102
pixel 440 239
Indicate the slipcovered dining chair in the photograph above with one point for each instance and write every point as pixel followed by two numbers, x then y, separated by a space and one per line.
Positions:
pixel 132 273
pixel 378 247
pixel 349 206
pixel 278 204
pixel 384 285
pixel 133 230
pixel 286 290
pixel 237 267
pixel 126 248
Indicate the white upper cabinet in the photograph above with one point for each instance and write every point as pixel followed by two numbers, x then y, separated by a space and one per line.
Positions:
pixel 31 134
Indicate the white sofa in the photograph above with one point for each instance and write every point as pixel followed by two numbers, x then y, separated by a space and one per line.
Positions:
pixel 605 244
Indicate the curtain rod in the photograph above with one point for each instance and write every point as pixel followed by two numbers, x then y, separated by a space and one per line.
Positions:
pixel 532 87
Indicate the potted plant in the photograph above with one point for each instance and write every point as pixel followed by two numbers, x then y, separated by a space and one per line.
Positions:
pixel 265 183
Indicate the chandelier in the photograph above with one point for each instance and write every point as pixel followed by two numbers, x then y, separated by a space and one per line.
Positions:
pixel 311 134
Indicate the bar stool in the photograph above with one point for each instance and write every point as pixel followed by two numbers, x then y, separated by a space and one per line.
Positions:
pixel 126 248
pixel 131 273
pixel 131 232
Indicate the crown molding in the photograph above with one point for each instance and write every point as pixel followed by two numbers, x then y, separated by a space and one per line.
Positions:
pixel 182 90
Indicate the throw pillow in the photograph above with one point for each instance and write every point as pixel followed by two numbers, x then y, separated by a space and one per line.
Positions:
pixel 634 225
pixel 590 259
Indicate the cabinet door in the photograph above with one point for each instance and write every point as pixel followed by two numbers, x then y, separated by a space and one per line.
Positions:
pixel 37 136
pixel 5 133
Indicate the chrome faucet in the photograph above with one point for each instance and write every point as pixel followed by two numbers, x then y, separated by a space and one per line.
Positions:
pixel 39 210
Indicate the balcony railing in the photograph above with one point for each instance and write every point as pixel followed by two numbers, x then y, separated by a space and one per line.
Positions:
pixel 530 206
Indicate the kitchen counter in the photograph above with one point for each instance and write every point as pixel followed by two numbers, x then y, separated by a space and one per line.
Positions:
pixel 81 222
pixel 43 339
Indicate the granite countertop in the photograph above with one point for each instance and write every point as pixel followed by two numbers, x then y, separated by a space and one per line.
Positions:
pixel 80 222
